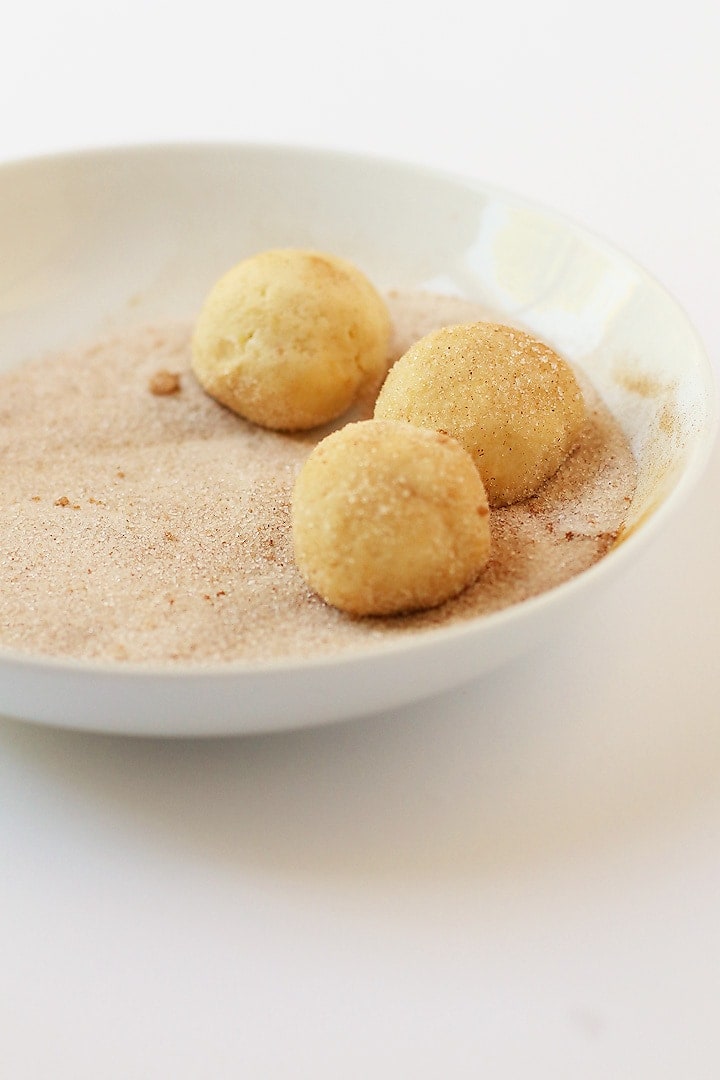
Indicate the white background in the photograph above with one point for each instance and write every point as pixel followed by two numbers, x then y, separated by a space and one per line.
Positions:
pixel 521 879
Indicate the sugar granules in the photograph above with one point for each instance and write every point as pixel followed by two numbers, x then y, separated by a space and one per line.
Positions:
pixel 141 521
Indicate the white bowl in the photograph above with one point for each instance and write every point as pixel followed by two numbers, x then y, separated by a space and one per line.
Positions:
pixel 113 238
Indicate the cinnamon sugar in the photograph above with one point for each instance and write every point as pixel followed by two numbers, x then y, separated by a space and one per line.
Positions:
pixel 179 549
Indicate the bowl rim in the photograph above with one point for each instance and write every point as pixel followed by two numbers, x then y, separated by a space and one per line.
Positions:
pixel 621 552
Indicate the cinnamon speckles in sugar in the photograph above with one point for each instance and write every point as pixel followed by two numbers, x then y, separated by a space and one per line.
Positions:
pixel 143 522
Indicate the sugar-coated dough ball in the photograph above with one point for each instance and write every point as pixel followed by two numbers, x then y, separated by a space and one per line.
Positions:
pixel 511 401
pixel 288 339
pixel 389 518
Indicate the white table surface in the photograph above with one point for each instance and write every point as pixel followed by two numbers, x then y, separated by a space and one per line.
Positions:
pixel 519 879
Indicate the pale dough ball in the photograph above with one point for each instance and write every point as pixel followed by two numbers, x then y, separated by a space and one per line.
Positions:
pixel 289 339
pixel 511 401
pixel 389 518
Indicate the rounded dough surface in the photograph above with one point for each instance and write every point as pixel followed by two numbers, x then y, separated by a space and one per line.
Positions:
pixel 288 338
pixel 389 518
pixel 508 398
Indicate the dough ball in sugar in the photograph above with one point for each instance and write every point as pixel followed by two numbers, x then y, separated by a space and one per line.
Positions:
pixel 389 518
pixel 289 339
pixel 509 399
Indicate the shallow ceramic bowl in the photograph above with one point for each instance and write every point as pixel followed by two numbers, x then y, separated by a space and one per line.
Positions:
pixel 101 240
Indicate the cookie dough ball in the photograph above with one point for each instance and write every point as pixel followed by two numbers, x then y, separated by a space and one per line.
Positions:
pixel 289 339
pixel 511 401
pixel 389 518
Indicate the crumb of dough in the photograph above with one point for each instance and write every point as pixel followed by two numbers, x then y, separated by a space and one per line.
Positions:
pixel 388 517
pixel 164 382
pixel 289 339
pixel 509 399
pixel 81 422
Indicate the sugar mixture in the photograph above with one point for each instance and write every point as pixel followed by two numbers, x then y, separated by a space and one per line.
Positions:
pixel 143 522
